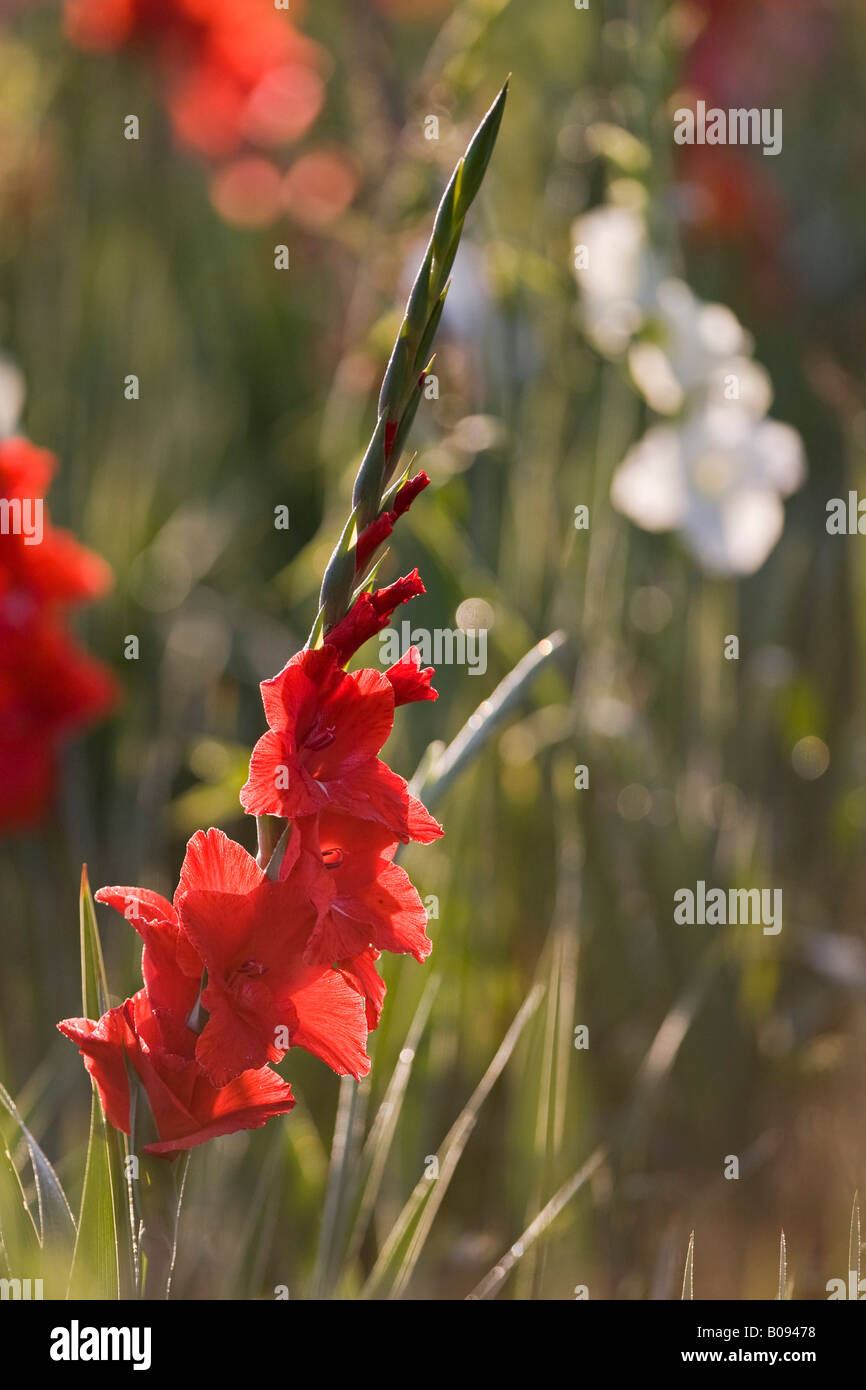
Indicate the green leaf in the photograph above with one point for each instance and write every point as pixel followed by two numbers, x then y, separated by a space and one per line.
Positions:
pixel 19 1239
pixel 56 1224
pixel 102 1262
pixel 94 985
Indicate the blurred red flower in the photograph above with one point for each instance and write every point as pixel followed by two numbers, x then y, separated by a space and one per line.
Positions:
pixel 48 689
pixel 53 565
pixel 48 685
pixel 727 64
pixel 246 191
pixel 734 195
pixel 319 186
pixel 233 71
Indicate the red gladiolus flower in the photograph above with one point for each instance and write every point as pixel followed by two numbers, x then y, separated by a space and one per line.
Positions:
pixel 409 681
pixel 170 967
pixel 263 995
pixel 361 972
pixel 369 614
pixel 187 1109
pixel 379 530
pixel 373 902
pixel 326 728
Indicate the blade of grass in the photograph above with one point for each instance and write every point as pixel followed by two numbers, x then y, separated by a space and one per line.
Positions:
pixel 500 1271
pixel 484 723
pixel 656 1065
pixel 854 1242
pixel 19 1237
pixel 689 1271
pixel 103 1260
pixel 558 1046
pixel 427 1196
pixel 344 1127
pixel 381 1136
pixel 56 1224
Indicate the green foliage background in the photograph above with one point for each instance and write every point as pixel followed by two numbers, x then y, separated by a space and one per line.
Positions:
pixel 258 389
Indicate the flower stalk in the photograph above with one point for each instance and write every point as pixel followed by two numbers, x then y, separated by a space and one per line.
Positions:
pixel 408 366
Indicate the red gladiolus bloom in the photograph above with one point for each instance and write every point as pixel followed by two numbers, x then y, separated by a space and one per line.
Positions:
pixel 373 902
pixel 170 967
pixel 379 530
pixel 187 1109
pixel 369 614
pixel 263 995
pixel 409 681
pixel 326 728
pixel 361 972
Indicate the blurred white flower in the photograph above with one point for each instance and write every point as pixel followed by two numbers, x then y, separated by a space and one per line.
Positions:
pixel 718 477
pixel 719 474
pixel 691 342
pixel 617 274
pixel 12 392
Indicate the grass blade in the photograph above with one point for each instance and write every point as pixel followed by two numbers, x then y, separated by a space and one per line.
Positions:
pixel 378 1144
pixel 102 1262
pixel 56 1225
pixel 689 1271
pixel 19 1238
pixel 854 1243
pixel 490 1283
pixel 426 1197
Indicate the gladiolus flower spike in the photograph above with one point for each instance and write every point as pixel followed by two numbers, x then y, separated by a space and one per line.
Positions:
pixel 252 958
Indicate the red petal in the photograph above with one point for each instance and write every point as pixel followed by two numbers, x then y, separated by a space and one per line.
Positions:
pixel 374 792
pixel 369 614
pixel 410 682
pixel 361 972
pixel 332 1023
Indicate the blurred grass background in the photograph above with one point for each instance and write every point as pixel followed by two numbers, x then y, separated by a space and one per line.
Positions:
pixel 258 389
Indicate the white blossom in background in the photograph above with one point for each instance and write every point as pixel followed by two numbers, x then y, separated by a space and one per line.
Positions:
pixel 718 477
pixel 718 472
pixel 691 341
pixel 617 274
pixel 12 393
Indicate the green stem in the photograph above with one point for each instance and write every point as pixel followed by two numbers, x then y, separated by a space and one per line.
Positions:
pixel 159 1196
